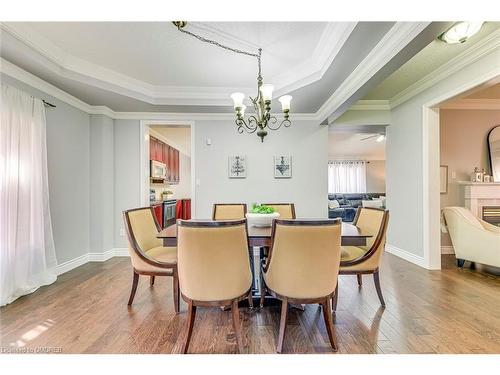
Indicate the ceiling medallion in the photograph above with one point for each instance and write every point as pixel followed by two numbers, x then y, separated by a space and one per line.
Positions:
pixel 262 120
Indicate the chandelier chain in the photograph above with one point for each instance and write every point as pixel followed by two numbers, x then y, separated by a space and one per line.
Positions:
pixel 205 40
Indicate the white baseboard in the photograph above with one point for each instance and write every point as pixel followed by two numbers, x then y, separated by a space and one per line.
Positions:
pixel 90 257
pixel 71 264
pixel 406 255
pixel 447 250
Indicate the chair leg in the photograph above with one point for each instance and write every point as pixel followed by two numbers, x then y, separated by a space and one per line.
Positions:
pixel 472 265
pixel 262 290
pixel 176 293
pixel 335 298
pixel 237 326
pixel 376 279
pixel 281 336
pixel 460 263
pixel 327 314
pixel 250 299
pixel 189 327
pixel 152 281
pixel 135 281
pixel 360 279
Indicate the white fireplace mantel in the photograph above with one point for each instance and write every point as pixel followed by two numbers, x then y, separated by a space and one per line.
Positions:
pixel 480 194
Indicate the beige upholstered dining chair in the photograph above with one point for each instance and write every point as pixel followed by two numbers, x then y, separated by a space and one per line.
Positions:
pixel 360 260
pixel 214 268
pixel 147 253
pixel 286 210
pixel 302 267
pixel 229 211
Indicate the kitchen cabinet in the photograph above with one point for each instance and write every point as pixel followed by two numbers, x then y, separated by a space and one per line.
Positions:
pixel 164 153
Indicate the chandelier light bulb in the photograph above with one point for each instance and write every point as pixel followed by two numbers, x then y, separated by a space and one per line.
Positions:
pixel 267 92
pixel 238 99
pixel 285 102
pixel 460 32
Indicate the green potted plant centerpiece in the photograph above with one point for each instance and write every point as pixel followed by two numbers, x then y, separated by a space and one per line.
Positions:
pixel 261 215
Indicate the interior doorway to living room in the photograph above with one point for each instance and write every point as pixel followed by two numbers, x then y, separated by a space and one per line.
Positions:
pixel 356 170
pixel 469 135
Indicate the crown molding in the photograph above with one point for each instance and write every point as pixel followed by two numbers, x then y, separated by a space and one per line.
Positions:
pixel 392 43
pixel 68 66
pixel 482 48
pixel 22 75
pixel 483 104
pixel 371 105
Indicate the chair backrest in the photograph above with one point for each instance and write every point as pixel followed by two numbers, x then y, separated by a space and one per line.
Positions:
pixel 229 211
pixel 286 210
pixel 373 221
pixel 304 258
pixel 213 260
pixel 142 228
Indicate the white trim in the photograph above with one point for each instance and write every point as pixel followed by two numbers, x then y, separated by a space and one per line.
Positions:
pixel 447 250
pixel 371 105
pixel 89 257
pixel 71 264
pixel 485 46
pixel 392 43
pixel 481 104
pixel 406 255
pixel 66 65
pixel 22 75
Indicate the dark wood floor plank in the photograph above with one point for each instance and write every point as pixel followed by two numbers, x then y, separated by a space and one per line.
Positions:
pixel 85 311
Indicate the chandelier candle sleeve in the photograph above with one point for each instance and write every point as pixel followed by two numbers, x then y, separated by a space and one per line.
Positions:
pixel 285 102
pixel 238 99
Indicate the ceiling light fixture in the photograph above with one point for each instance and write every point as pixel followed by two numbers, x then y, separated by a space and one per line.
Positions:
pixel 460 32
pixel 380 138
pixel 262 120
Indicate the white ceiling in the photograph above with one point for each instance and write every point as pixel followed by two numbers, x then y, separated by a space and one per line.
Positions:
pixel 158 54
pixel 152 67
pixel 430 58
pixel 348 144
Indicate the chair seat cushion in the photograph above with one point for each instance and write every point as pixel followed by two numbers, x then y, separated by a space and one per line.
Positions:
pixel 351 252
pixel 163 254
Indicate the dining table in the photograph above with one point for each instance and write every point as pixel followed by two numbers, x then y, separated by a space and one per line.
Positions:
pixel 260 238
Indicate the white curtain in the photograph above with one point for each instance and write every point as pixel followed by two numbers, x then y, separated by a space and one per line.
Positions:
pixel 346 176
pixel 26 244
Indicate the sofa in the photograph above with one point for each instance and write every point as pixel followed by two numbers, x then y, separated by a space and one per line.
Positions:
pixel 348 204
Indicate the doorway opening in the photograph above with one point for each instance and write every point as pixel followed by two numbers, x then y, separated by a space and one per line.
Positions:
pixel 167 169
pixel 356 169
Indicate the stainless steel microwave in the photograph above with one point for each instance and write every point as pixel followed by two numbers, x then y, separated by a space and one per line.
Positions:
pixel 158 170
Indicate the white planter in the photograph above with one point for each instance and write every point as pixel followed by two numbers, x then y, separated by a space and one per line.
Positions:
pixel 261 220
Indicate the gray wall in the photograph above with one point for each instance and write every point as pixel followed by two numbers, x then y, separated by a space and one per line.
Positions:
pixel 305 141
pixel 101 183
pixel 375 176
pixel 69 174
pixel 127 159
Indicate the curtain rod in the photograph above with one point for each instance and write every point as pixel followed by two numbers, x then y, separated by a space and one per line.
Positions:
pixel 47 104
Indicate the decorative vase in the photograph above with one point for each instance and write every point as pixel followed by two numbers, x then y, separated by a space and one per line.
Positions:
pixel 261 220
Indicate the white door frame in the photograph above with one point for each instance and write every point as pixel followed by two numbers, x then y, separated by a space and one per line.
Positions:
pixel 144 151
pixel 430 162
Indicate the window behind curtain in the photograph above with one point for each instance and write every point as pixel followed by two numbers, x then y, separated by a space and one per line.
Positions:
pixel 346 176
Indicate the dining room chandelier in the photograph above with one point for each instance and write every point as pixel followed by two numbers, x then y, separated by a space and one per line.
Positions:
pixel 262 120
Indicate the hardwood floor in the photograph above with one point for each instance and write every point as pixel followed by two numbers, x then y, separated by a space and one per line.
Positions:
pixel 85 311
